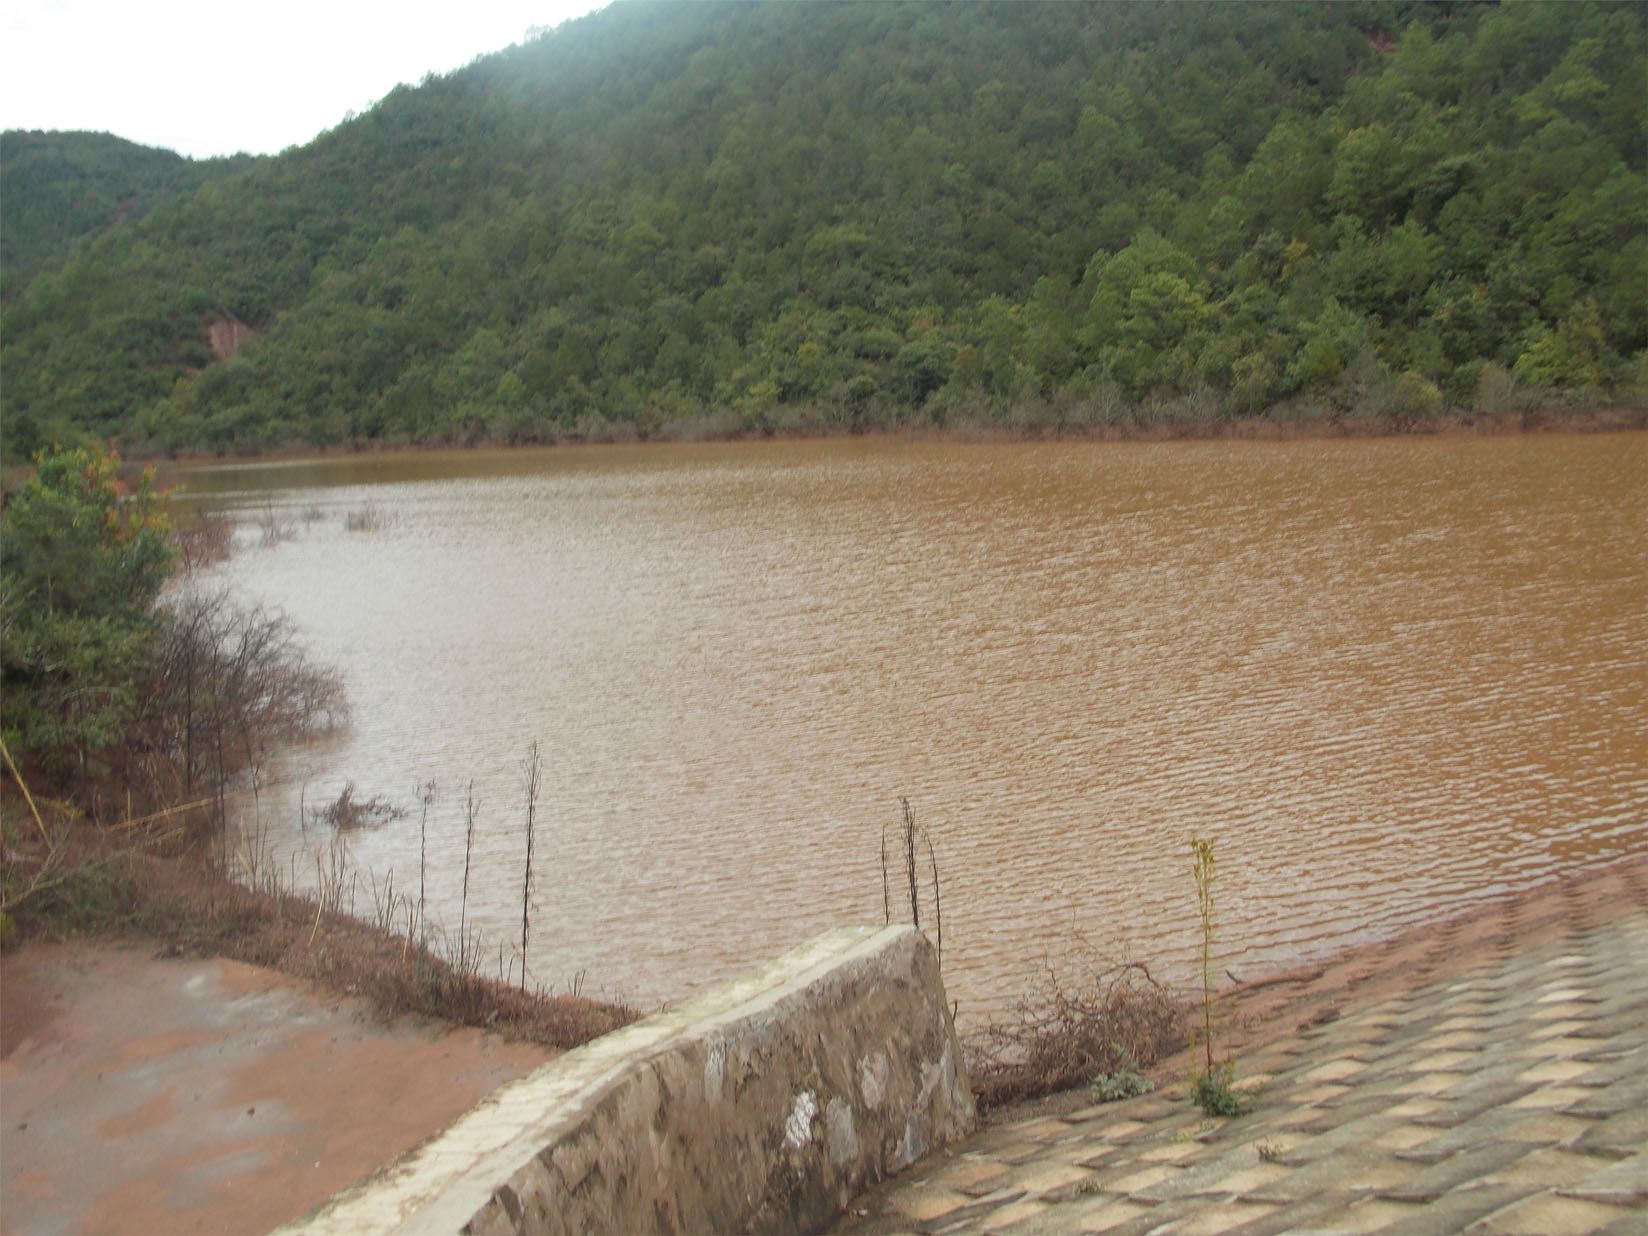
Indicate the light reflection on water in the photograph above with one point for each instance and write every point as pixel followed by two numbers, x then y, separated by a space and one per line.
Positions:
pixel 1384 676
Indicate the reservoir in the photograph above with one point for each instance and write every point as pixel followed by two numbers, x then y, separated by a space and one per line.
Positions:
pixel 1386 677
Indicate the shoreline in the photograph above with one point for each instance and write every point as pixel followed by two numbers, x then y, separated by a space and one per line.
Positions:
pixel 203 916
pixel 1311 994
pixel 1610 419
pixel 81 984
pixel 1281 1003
pixel 98 892
pixel 1485 1076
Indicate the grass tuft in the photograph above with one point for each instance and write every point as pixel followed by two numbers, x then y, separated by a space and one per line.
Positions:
pixel 1125 1083
pixel 1214 1090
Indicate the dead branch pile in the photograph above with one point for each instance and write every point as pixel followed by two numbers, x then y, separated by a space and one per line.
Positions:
pixel 1069 1034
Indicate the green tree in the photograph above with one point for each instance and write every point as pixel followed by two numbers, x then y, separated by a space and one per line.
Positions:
pixel 1148 303
pixel 1574 354
pixel 83 566
pixel 664 210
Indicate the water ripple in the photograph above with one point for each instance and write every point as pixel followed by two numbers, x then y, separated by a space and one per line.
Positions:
pixel 1386 677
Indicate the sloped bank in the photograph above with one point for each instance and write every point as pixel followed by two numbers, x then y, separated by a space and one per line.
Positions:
pixel 764 1105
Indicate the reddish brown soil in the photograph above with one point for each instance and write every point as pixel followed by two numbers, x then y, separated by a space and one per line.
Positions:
pixel 151 1095
pixel 216 1060
pixel 227 335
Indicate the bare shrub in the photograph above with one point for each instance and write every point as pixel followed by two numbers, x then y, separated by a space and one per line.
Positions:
pixel 971 411
pixel 597 429
pixel 1201 403
pixel 1070 1035
pixel 201 540
pixel 250 856
pixel 390 909
pixel 229 684
pixel 1104 403
pixel 532 777
pixel 711 426
pixel 333 880
pixel 1158 407
pixel 1497 391
pixel 1029 410
pixel 1366 388
pixel 35 872
pixel 791 418
pixel 471 808
pixel 65 876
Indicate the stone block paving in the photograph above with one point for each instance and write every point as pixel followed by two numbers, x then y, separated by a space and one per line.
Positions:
pixel 1509 1099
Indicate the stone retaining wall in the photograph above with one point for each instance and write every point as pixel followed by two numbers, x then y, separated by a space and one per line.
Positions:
pixel 762 1106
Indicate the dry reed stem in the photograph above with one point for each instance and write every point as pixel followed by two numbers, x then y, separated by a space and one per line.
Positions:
pixel 163 814
pixel 27 797
pixel 532 774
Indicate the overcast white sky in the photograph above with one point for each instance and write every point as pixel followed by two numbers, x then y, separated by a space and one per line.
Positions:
pixel 211 77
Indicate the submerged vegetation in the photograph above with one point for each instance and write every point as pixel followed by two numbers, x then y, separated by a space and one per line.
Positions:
pixel 704 219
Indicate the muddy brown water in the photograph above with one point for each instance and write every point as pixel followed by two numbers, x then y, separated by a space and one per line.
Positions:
pixel 1386 677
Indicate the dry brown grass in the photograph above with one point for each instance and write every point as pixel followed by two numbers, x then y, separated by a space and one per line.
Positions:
pixel 109 883
pixel 1073 1033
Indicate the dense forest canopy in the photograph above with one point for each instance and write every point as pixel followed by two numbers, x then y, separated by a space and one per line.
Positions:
pixel 58 187
pixel 847 214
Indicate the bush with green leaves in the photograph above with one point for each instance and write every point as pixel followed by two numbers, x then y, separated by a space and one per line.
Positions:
pixel 112 693
pixel 82 567
pixel 1214 1090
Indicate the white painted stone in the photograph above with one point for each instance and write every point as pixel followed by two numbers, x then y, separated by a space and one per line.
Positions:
pixel 798 1128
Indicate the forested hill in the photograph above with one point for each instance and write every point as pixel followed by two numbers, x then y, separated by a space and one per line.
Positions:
pixel 783 214
pixel 58 187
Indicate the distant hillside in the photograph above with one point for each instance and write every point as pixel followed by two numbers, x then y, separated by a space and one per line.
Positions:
pixel 58 187
pixel 736 216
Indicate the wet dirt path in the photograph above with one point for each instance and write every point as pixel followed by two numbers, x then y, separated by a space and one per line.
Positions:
pixel 151 1095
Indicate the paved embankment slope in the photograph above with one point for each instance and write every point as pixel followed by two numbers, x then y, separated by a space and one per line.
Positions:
pixel 1485 1075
